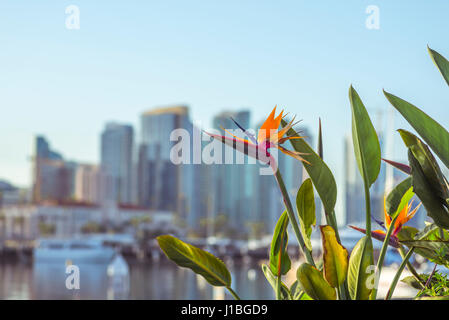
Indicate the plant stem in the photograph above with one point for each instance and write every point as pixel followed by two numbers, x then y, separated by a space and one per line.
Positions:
pixel 411 268
pixel 429 278
pixel 233 293
pixel 278 288
pixel 398 273
pixel 380 261
pixel 291 216
pixel 368 211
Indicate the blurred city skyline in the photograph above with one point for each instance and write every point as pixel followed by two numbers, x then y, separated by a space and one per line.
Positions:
pixel 126 58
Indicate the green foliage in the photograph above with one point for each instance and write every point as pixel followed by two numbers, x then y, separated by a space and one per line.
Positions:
pixel 279 261
pixel 305 204
pixel 441 62
pixel 354 277
pixel 319 172
pixel 358 271
pixel 427 162
pixel 364 137
pixel 435 206
pixel 335 258
pixel 394 201
pixel 438 286
pixel 312 282
pixel 199 261
pixel 296 292
pixel 431 131
pixel 271 278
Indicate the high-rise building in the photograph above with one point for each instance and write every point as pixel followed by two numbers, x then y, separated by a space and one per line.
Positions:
pixel 53 177
pixel 116 162
pixel 162 184
pixel 353 183
pixel 88 186
pixel 231 179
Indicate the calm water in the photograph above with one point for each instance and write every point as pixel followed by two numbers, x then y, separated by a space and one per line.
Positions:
pixel 147 280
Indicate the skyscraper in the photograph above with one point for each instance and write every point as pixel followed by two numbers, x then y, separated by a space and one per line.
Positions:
pixel 53 177
pixel 116 162
pixel 232 180
pixel 163 185
pixel 353 183
pixel 88 186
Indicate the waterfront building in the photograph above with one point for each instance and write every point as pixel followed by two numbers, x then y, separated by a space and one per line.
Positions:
pixel 116 162
pixel 88 183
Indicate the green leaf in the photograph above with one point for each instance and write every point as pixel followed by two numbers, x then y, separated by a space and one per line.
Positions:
pixel 312 282
pixel 434 206
pixel 407 233
pixel 431 131
pixel 199 261
pixel 280 263
pixel 432 232
pixel 366 143
pixel 436 251
pixel 305 203
pixel 412 282
pixel 285 293
pixel 318 171
pixel 395 200
pixel 297 293
pixel 441 63
pixel 335 258
pixel 427 162
pixel 359 269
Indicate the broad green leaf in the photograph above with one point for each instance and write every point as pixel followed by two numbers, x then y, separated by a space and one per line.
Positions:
pixel 280 263
pixel 297 293
pixel 364 137
pixel 285 293
pixel 407 233
pixel 430 131
pixel 412 282
pixel 432 232
pixel 312 282
pixel 318 171
pixel 360 270
pixel 199 261
pixel 434 206
pixel 436 251
pixel 335 257
pixel 441 63
pixel 395 200
pixel 305 203
pixel 427 162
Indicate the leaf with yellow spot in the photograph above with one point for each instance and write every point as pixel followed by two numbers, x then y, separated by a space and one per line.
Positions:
pixel 335 257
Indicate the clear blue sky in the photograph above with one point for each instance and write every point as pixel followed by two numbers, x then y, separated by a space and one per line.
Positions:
pixel 129 56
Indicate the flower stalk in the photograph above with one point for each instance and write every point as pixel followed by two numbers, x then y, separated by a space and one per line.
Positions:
pixel 380 261
pixel 288 206
pixel 398 273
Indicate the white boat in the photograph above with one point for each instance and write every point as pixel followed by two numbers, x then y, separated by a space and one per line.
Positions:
pixel 73 251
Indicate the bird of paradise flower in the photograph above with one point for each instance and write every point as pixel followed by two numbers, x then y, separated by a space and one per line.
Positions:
pixel 269 136
pixel 403 217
